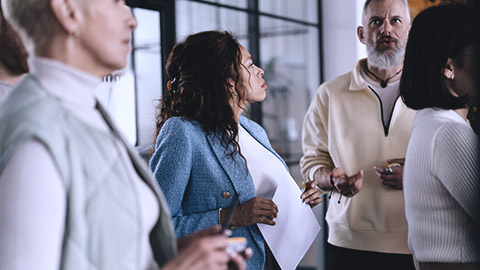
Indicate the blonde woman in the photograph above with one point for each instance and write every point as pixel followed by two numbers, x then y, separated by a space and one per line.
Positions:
pixel 73 194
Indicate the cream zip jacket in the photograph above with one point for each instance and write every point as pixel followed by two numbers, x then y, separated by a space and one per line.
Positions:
pixel 343 128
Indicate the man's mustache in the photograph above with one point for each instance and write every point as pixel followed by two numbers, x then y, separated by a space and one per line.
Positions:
pixel 386 39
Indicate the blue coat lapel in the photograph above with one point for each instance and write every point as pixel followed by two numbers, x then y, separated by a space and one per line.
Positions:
pixel 234 168
pixel 258 133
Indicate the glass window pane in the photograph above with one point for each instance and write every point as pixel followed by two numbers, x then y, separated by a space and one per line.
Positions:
pixel 193 17
pixel 304 10
pixel 234 21
pixel 233 3
pixel 148 72
pixel 117 94
pixel 131 95
pixel 290 58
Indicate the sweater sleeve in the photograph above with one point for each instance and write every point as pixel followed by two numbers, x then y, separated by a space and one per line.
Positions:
pixel 456 160
pixel 315 136
pixel 32 210
pixel 171 165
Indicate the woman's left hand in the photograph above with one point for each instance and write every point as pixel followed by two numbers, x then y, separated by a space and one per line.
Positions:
pixel 311 195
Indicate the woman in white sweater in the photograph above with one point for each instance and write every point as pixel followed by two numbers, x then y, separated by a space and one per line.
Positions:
pixel 441 174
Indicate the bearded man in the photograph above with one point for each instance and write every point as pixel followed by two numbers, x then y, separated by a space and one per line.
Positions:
pixel 13 57
pixel 355 136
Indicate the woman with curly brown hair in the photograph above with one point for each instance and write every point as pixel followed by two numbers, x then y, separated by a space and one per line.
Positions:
pixel 207 154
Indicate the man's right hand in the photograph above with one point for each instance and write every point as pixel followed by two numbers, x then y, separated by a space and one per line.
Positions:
pixel 346 185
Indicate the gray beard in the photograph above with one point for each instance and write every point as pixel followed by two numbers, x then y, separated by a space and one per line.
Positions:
pixel 385 59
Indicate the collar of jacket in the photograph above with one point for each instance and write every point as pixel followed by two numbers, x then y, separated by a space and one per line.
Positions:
pixel 235 168
pixel 357 82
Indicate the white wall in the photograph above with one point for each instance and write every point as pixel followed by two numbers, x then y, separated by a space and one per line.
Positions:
pixel 341 48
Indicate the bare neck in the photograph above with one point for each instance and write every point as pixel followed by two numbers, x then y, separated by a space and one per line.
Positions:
pixel 463 112
pixel 238 109
pixel 391 74
pixel 66 49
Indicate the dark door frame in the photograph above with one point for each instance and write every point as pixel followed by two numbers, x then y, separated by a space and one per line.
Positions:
pixel 166 8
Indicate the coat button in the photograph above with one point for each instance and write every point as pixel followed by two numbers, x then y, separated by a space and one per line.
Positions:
pixel 226 194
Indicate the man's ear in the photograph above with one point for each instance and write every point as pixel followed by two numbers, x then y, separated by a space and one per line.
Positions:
pixel 67 13
pixel 449 70
pixel 361 34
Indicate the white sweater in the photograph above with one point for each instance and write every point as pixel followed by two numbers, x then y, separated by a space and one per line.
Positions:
pixel 442 188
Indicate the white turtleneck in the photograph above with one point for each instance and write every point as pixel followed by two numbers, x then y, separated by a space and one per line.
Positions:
pixel 32 195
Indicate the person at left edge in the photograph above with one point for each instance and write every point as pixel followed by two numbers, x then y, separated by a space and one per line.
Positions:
pixel 73 194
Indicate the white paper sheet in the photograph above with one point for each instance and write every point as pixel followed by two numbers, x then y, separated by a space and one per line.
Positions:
pixel 296 227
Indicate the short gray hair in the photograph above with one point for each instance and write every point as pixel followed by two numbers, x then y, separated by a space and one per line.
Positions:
pixel 403 1
pixel 34 19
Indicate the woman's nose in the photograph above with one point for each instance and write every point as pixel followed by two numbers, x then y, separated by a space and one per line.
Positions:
pixel 132 20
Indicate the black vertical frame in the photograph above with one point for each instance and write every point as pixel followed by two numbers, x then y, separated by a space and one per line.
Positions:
pixel 166 8
pixel 320 40
pixel 167 36
pixel 324 246
pixel 254 49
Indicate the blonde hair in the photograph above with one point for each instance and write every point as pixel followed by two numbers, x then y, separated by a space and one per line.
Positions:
pixel 33 19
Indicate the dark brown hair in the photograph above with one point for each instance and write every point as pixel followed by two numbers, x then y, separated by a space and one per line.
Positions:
pixel 13 54
pixel 202 70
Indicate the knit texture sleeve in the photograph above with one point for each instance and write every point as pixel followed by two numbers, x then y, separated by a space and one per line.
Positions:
pixel 315 136
pixel 456 161
pixel 171 165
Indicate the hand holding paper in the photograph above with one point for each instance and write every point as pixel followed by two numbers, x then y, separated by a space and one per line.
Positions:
pixel 256 210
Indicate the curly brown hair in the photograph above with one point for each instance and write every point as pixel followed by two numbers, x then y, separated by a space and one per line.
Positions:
pixel 202 70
